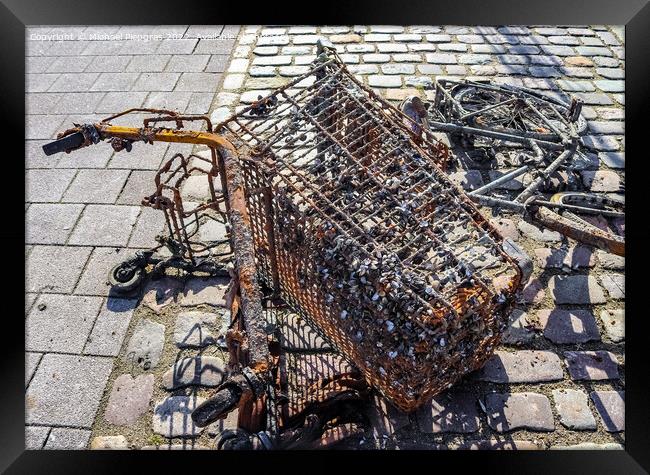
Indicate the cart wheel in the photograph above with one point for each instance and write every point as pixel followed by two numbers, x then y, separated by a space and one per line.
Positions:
pixel 125 277
pixel 234 440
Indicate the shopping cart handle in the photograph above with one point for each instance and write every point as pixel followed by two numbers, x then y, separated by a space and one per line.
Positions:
pixel 69 142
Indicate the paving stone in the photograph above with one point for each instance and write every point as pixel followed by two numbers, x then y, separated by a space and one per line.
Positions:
pixel 615 285
pixel 298 334
pixel 172 417
pixel 449 412
pixel 525 410
pixel 197 187
pixel 469 180
pixel 397 69
pixel 614 324
pixel 129 399
pixel 54 268
pixel 146 344
pixel 105 225
pixel 96 186
pixel 110 327
pixel 525 366
pixel 591 365
pixel 613 159
pixel 440 58
pixel 50 223
pixel 209 291
pixel 610 261
pixel 519 330
pixel 74 82
pixel 611 408
pixel 600 143
pixel 66 390
pixel 573 409
pixel 191 446
pixel 601 180
pixel 576 257
pixel 537 233
pixel 576 289
pixel 46 185
pixel 157 294
pixel 544 72
pixel 150 223
pixel 148 156
pixel 607 127
pixel 568 326
pixel 198 329
pixel 588 446
pixel 506 227
pixel 94 279
pixel 139 184
pixel 201 370
pixel 109 442
pixel 61 438
pixel 533 292
pixel 63 325
pixel 35 437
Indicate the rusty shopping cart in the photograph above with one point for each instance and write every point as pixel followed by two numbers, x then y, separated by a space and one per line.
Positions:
pixel 344 213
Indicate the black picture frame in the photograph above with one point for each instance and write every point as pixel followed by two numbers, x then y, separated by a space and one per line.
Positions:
pixel 634 14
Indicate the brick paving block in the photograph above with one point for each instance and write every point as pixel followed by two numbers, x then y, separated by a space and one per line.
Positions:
pixel 614 324
pixel 576 289
pixel 440 58
pixel 148 63
pixel 61 438
pixel 208 371
pixel 66 390
pixel 449 412
pixel 63 325
pixel 150 223
pixel 524 366
pixel 139 184
pixel 79 102
pixel 607 127
pixel 384 81
pixel 46 185
pixel 96 156
pixel 198 82
pixel 146 345
pixel 105 225
pixel 109 442
pixel 591 365
pixel 575 257
pixel 108 64
pixel 35 437
pixel 537 233
pixel 94 279
pixel 600 143
pixel 615 285
pixel 54 268
pixel 614 160
pixel 143 157
pixel 129 399
pixel 601 180
pixel 199 329
pixel 74 82
pixel 115 81
pixel 114 102
pixel 573 409
pixel 611 409
pixel 532 293
pixel 568 326
pixel 210 291
pixel 172 417
pixel 156 82
pixel 96 186
pixel 110 327
pixel 50 223
pixel 525 410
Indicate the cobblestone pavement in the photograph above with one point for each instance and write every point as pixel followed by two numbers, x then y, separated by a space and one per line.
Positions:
pixel 129 371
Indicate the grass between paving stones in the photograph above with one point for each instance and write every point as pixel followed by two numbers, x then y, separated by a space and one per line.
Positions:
pixel 141 433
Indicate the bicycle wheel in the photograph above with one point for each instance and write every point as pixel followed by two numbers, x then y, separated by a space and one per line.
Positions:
pixel 588 218
pixel 519 113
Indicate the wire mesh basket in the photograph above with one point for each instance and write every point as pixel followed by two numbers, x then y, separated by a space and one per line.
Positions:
pixel 356 226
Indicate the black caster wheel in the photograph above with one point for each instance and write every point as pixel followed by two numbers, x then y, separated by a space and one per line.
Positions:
pixel 125 277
